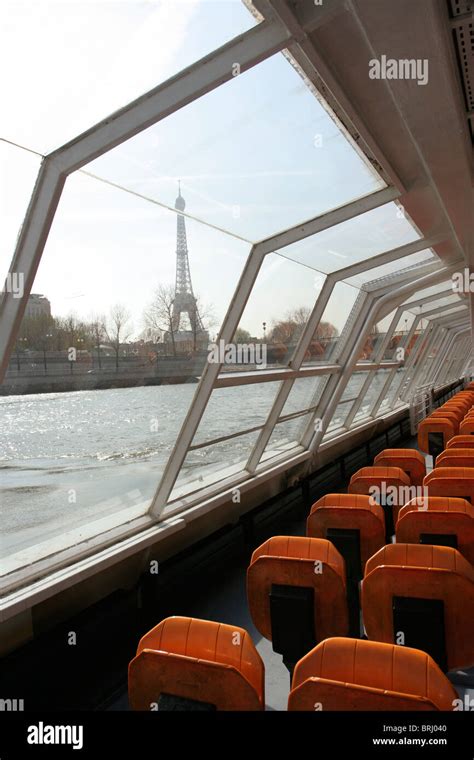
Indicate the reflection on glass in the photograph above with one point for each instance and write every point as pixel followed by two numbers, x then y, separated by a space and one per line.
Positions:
pixel 350 395
pixel 354 240
pixel 325 344
pixel 285 437
pixel 372 393
pixel 231 410
pixel 305 394
pixel 278 309
pixel 207 465
pixel 92 58
pixel 255 156
pixel 340 413
pixel 394 267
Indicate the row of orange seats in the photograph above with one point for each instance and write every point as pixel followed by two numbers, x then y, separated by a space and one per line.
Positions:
pixel 432 513
pixel 417 597
pixel 189 664
pixel 455 417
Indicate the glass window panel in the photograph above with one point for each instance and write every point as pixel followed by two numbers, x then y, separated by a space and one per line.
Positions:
pixel 432 290
pixel 373 391
pixel 399 338
pixel 385 401
pixel 305 394
pixel 349 396
pixel 325 345
pixel 375 338
pixel 340 413
pixel 205 466
pixel 255 156
pixel 354 385
pixel 285 437
pixel 231 410
pixel 392 268
pixel 354 240
pixel 72 459
pixel 119 51
pixel 453 299
pixel 404 374
pixel 277 311
pixel 18 172
pixel 102 425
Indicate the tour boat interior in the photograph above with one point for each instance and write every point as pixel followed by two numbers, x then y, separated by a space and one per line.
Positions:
pixel 236 350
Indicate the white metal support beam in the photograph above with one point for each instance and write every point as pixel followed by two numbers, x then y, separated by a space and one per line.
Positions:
pixel 29 248
pixel 206 384
pixel 329 219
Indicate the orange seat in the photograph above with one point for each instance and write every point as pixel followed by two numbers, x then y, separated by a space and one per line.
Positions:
pixel 451 481
pixel 455 416
pixel 459 442
pixel 196 662
pixel 462 401
pixel 347 511
pixel 455 412
pixel 410 461
pixel 284 563
pixel 463 404
pixel 440 581
pixel 389 486
pixel 456 457
pixel 440 521
pixel 440 503
pixel 467 426
pixel 434 427
pixel 346 674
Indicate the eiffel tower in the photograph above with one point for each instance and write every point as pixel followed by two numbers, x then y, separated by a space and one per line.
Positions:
pixel 184 303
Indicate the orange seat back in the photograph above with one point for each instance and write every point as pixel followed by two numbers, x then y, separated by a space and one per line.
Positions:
pixel 460 442
pixel 467 426
pixel 302 562
pixel 422 571
pixel 456 457
pixel 455 417
pixel 434 425
pixel 451 481
pixel 438 503
pixel 461 405
pixel 417 526
pixel 350 674
pixel 197 660
pixel 410 461
pixel 349 511
pixel 381 482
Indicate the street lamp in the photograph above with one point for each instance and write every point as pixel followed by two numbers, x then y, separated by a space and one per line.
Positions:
pixel 264 325
pixel 20 340
pixel 79 341
pixel 46 337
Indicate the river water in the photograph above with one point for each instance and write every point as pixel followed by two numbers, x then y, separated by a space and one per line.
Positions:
pixel 69 458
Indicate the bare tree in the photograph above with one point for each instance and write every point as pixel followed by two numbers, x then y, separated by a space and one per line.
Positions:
pixel 158 317
pixel 118 328
pixel 97 334
pixel 202 318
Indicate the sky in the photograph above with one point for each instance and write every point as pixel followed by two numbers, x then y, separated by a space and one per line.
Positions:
pixel 255 156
